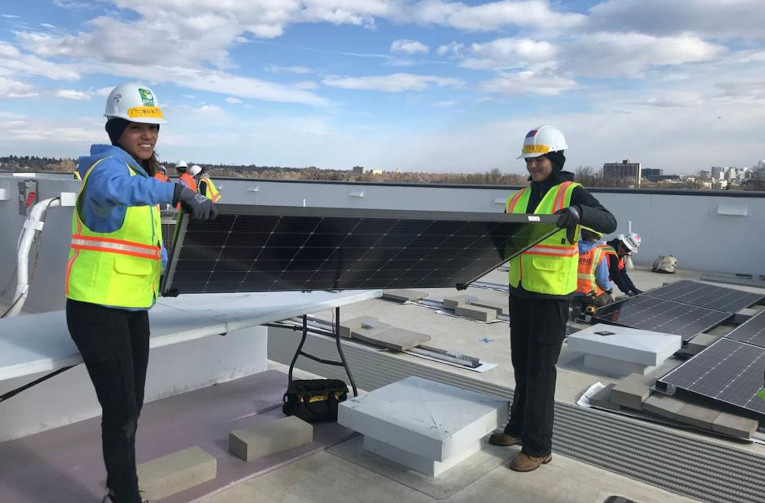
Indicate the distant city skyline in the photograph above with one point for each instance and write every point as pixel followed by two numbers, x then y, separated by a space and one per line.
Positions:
pixel 430 85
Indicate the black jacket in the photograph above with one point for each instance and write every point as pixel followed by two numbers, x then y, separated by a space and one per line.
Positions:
pixel 618 276
pixel 593 215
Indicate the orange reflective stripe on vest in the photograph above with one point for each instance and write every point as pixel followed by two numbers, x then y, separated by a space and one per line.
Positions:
pixel 118 246
pixel 588 264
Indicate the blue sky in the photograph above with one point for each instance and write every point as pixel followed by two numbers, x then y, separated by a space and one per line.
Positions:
pixel 427 85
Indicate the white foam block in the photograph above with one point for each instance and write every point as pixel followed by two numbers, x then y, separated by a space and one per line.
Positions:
pixel 428 419
pixel 630 345
pixel 417 463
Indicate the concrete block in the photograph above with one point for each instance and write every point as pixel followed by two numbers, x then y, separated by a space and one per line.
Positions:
pixel 614 367
pixel 404 295
pixel 475 312
pixel 453 302
pixel 701 342
pixel 744 314
pixel 633 391
pixel 176 472
pixel 499 307
pixel 626 344
pixel 429 419
pixel 421 464
pixel 602 398
pixel 346 327
pixel 698 416
pixel 663 405
pixel 735 426
pixel 269 438
pixel 397 339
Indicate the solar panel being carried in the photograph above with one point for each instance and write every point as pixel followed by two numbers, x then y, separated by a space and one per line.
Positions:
pixel 706 296
pixel 729 371
pixel 658 315
pixel 751 331
pixel 258 248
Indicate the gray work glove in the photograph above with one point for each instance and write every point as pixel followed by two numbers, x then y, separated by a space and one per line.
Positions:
pixel 569 218
pixel 197 205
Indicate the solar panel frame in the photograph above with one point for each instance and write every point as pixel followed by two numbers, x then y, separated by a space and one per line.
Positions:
pixel 728 371
pixel 659 315
pixel 707 296
pixel 315 244
pixel 752 331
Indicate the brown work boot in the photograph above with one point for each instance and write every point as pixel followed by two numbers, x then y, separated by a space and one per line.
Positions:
pixel 499 437
pixel 522 462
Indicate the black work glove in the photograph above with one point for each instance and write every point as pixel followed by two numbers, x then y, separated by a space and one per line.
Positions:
pixel 630 293
pixel 197 205
pixel 635 291
pixel 569 219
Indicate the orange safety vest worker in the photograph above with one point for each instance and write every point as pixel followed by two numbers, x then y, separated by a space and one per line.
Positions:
pixel 161 177
pixel 548 267
pixel 189 181
pixel 588 263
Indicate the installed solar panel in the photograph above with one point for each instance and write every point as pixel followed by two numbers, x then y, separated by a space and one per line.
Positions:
pixel 658 315
pixel 707 296
pixel 751 331
pixel 728 371
pixel 258 248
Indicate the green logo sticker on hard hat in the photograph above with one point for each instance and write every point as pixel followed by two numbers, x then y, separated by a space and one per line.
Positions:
pixel 146 97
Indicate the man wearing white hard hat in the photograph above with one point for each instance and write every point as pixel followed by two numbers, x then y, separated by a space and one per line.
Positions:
pixel 112 275
pixel 542 281
pixel 618 249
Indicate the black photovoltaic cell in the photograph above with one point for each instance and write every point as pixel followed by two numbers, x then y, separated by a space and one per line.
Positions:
pixel 649 313
pixel 257 248
pixel 728 370
pixel 706 296
pixel 751 331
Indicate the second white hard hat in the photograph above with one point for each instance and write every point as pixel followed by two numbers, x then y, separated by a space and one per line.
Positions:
pixel 195 170
pixel 541 140
pixel 631 241
pixel 181 164
pixel 134 102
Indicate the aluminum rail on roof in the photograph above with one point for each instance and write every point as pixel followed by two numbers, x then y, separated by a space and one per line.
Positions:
pixel 688 466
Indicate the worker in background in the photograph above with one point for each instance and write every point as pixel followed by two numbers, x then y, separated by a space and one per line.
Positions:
pixel 206 186
pixel 77 174
pixel 161 174
pixel 618 250
pixel 185 178
pixel 542 282
pixel 112 275
pixel 593 288
pixel 180 168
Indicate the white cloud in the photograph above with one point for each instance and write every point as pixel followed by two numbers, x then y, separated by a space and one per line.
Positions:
pixel 393 83
pixel 631 54
pixel 446 104
pixel 494 15
pixel 706 18
pixel 71 94
pixel 14 61
pixel 233 101
pixel 103 91
pixel 11 88
pixel 509 53
pixel 300 70
pixel 676 99
pixel 408 47
pixel 306 84
pixel 529 82
pixel 10 16
pixel 453 49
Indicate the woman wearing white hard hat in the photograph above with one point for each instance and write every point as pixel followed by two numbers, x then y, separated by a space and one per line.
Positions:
pixel 112 275
pixel 542 281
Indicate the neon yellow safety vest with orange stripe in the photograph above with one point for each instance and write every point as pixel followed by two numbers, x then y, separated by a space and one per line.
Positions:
pixel 120 268
pixel 211 192
pixel 549 267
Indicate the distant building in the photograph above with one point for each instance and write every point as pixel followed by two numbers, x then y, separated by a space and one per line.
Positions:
pixel 359 170
pixel 623 170
pixel 704 174
pixel 651 174
pixel 718 173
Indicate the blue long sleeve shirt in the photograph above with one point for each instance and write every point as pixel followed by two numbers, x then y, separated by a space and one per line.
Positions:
pixel 601 271
pixel 110 189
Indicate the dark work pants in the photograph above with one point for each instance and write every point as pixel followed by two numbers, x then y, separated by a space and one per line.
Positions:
pixel 114 344
pixel 537 330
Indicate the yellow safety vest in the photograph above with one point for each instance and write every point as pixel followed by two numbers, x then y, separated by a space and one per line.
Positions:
pixel 549 267
pixel 212 191
pixel 120 268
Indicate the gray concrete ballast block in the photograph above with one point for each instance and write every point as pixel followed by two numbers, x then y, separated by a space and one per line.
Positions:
pixel 176 472
pixel 453 302
pixel 663 405
pixel 500 307
pixel 404 295
pixel 475 312
pixel 269 438
pixel 348 326
pixel 633 391
pixel 736 426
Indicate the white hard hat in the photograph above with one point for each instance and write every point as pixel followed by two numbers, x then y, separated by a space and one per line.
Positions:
pixel 195 170
pixel 542 140
pixel 181 164
pixel 631 241
pixel 134 102
pixel 162 168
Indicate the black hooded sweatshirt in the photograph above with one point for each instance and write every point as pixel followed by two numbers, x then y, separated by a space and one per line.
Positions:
pixel 593 215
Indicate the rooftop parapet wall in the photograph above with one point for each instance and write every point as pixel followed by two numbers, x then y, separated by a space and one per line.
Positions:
pixel 706 231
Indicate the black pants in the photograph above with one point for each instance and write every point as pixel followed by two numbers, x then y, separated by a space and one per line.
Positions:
pixel 537 330
pixel 114 344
